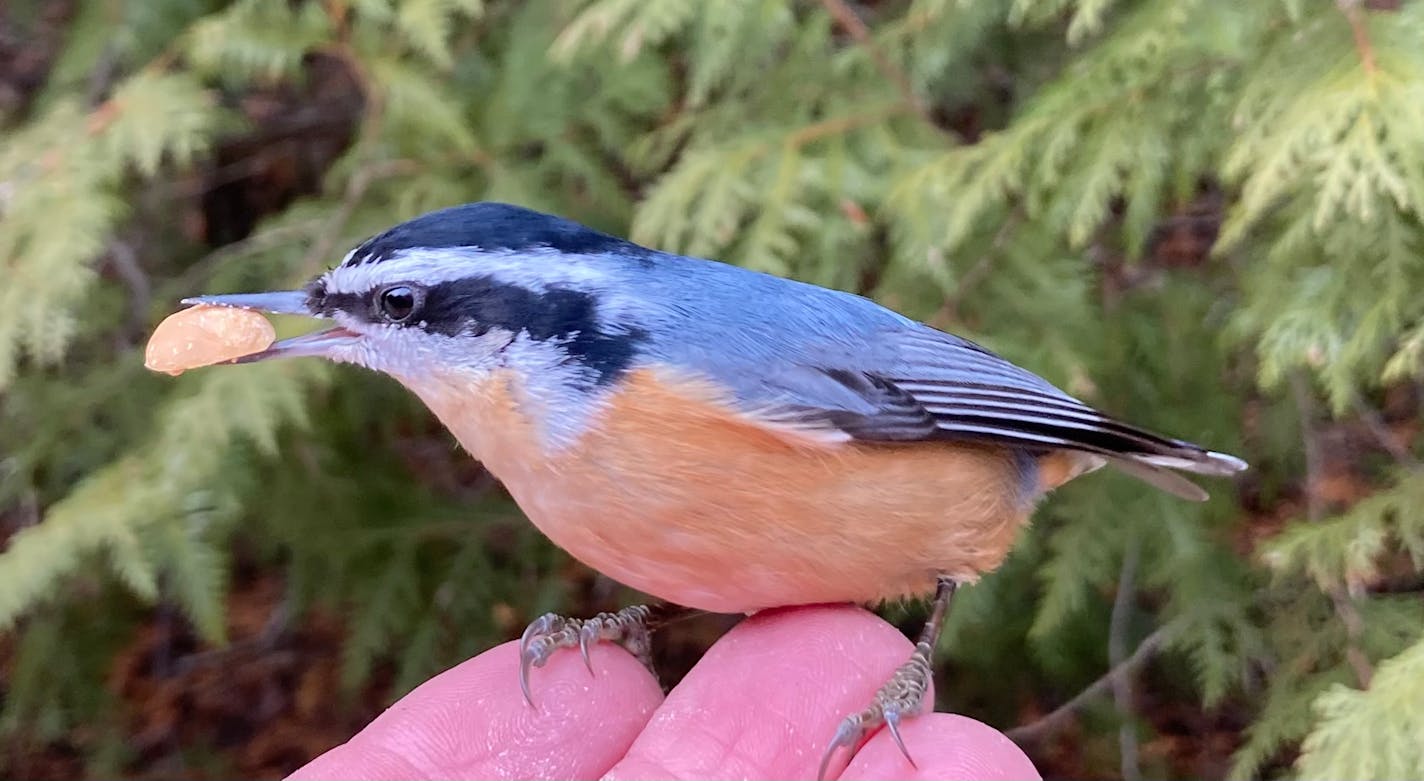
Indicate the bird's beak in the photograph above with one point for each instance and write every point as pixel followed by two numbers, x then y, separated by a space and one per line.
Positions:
pixel 282 302
pixel 285 302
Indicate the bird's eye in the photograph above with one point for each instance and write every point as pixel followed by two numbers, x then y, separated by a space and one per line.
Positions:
pixel 398 302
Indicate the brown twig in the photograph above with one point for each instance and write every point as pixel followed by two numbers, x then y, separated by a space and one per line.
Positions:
pixel 356 187
pixel 848 19
pixel 1354 627
pixel 124 261
pixel 271 634
pixel 1310 444
pixel 949 312
pixel 1340 598
pixel 1041 728
pixel 198 273
pixel 1380 431
pixel 835 125
pixel 1355 15
pixel 1117 651
pixel 102 75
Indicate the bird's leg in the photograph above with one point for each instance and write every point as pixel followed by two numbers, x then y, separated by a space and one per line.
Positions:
pixel 631 627
pixel 902 694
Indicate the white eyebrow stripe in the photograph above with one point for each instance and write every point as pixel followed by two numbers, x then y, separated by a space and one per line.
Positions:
pixel 537 269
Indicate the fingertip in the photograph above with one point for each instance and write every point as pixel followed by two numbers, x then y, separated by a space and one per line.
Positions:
pixel 870 646
pixel 355 763
pixel 472 721
pixel 767 697
pixel 944 746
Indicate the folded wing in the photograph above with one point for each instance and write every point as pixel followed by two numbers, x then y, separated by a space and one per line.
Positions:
pixel 919 384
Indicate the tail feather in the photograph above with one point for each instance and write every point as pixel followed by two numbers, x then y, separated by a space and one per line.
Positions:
pixel 1205 462
pixel 1160 478
pixel 1157 470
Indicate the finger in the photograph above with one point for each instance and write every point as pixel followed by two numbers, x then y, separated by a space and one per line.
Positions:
pixel 766 698
pixel 944 746
pixel 472 722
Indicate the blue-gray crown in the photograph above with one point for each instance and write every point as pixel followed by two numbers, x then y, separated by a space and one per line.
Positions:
pixel 490 227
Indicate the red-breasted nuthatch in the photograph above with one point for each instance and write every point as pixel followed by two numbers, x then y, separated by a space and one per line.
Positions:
pixel 715 437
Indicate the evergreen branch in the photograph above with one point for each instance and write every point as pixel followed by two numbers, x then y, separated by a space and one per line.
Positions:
pixel 950 311
pixel 260 241
pixel 67 169
pixel 356 188
pixel 1050 723
pixel 848 19
pixel 1370 733
pixel 1346 550
pixel 148 497
pixel 257 39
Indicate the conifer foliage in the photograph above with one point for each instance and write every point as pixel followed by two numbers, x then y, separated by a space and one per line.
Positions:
pixel 1205 216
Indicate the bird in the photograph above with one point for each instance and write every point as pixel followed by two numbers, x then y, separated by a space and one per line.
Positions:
pixel 720 439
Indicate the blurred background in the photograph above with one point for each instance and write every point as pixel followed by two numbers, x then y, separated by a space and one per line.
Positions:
pixel 1202 215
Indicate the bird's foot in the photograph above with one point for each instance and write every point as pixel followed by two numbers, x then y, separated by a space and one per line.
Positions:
pixel 550 632
pixel 899 698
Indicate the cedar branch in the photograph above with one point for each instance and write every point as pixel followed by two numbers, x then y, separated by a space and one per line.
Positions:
pixel 1042 728
pixel 849 20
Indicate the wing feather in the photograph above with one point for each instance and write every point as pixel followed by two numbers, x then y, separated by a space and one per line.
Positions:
pixel 921 384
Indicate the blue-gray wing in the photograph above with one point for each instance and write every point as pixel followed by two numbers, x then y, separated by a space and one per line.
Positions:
pixel 907 384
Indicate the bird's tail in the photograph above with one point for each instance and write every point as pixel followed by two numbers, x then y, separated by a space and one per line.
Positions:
pixel 1161 469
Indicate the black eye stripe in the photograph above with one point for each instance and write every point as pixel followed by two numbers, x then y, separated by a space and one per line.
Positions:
pixel 368 307
pixel 356 305
pixel 476 304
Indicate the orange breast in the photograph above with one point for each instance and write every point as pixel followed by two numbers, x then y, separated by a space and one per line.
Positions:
pixel 672 493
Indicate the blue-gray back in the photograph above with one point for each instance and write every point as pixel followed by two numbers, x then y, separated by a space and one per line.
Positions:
pixel 801 353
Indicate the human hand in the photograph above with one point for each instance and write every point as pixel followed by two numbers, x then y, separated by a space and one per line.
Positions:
pixel 761 704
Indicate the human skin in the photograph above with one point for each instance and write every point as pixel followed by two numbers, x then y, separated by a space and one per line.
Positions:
pixel 760 704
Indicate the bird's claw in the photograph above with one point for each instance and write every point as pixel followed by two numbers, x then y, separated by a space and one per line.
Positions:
pixel 587 632
pixel 899 697
pixel 535 647
pixel 892 723
pixel 848 734
pixel 550 632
